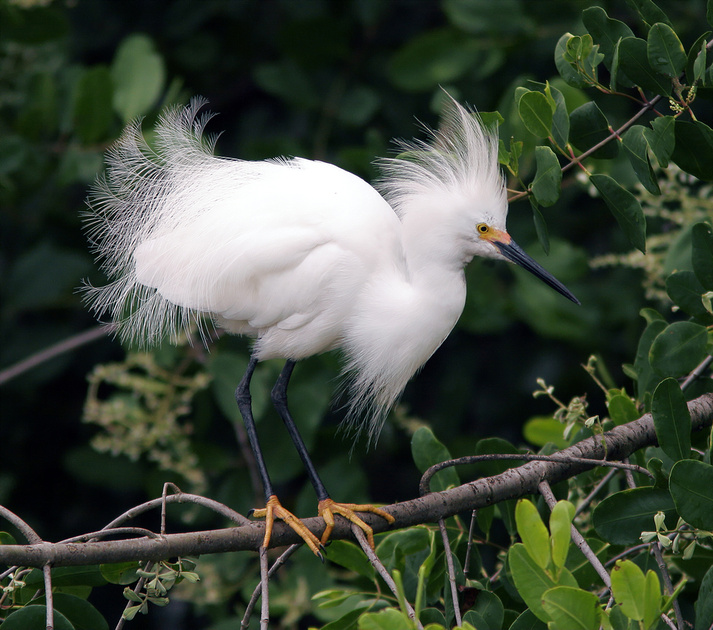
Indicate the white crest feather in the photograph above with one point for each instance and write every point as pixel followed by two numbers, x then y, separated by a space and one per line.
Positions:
pixel 459 160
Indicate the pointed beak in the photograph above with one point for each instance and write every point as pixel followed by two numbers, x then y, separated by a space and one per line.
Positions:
pixel 514 253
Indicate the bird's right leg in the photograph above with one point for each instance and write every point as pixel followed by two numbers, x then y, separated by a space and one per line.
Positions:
pixel 273 509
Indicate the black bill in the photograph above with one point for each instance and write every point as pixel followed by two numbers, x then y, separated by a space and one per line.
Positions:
pixel 513 252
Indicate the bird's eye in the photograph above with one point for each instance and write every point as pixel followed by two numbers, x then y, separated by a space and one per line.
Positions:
pixel 483 228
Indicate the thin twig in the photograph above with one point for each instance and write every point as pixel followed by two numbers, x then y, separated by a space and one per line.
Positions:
pixel 49 601
pixel 30 534
pixel 137 589
pixel 668 584
pixel 245 623
pixel 115 531
pixel 469 545
pixel 698 371
pixel 577 538
pixel 451 571
pixel 630 482
pixel 381 570
pixel 265 584
pixel 62 347
pixel 183 497
pixel 584 504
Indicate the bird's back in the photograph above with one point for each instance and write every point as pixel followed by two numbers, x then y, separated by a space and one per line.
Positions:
pixel 279 249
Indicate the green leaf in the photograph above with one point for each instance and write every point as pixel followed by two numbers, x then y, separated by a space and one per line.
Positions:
pixel 627 585
pixel 625 208
pixel 540 430
pixel 649 12
pixel 288 81
pixel 536 113
pixel 530 580
pixel 565 67
pixel 617 79
pixel 548 177
pixel 691 486
pixel 560 116
pixel 560 531
pixel 702 255
pixel 79 612
pixel 685 290
pixel 92 112
pixel 672 419
pixel 652 600
pixel 138 75
pixel 588 127
pixel 358 105
pixel 120 573
pixel 33 618
pixel 348 621
pixel 387 619
pixel 605 31
pixel 349 556
pixel 527 621
pixel 678 349
pixel 427 450
pixel 665 50
pixel 533 532
pixel 642 364
pixel 634 62
pixel 538 219
pixel 697 59
pixel 704 604
pixel 571 608
pixel 636 150
pixel 489 608
pixel 622 409
pixel 436 57
pixel 661 139
pixel 621 517
pixel 693 148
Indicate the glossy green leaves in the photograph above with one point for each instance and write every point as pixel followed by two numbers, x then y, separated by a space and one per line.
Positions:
pixel 621 517
pixel 548 178
pixel 638 595
pixel 691 485
pixel 672 420
pixel 537 564
pixel 665 51
pixel 625 208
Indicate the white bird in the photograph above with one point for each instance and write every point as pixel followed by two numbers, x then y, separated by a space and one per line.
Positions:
pixel 303 256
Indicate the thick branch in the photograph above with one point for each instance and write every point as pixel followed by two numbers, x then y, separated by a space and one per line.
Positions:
pixel 621 442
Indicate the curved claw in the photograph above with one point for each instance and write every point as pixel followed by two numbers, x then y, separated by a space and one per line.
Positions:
pixel 328 508
pixel 272 510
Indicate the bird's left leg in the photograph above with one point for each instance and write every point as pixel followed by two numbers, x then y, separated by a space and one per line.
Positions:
pixel 327 507
pixel 273 509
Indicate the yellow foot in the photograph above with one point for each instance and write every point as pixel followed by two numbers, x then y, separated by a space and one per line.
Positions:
pixel 328 508
pixel 274 510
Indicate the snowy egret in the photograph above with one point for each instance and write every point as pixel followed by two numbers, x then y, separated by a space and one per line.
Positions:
pixel 303 256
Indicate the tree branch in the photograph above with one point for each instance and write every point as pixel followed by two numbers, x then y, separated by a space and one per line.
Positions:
pixel 616 444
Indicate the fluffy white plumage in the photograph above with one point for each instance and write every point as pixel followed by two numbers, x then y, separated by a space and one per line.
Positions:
pixel 300 254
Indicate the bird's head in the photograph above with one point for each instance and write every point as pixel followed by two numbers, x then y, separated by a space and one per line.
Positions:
pixel 497 243
pixel 451 195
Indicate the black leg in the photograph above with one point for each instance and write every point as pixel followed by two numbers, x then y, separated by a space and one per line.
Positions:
pixel 279 400
pixel 244 400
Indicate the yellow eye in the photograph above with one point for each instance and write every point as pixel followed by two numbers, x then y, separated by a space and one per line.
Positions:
pixel 483 228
